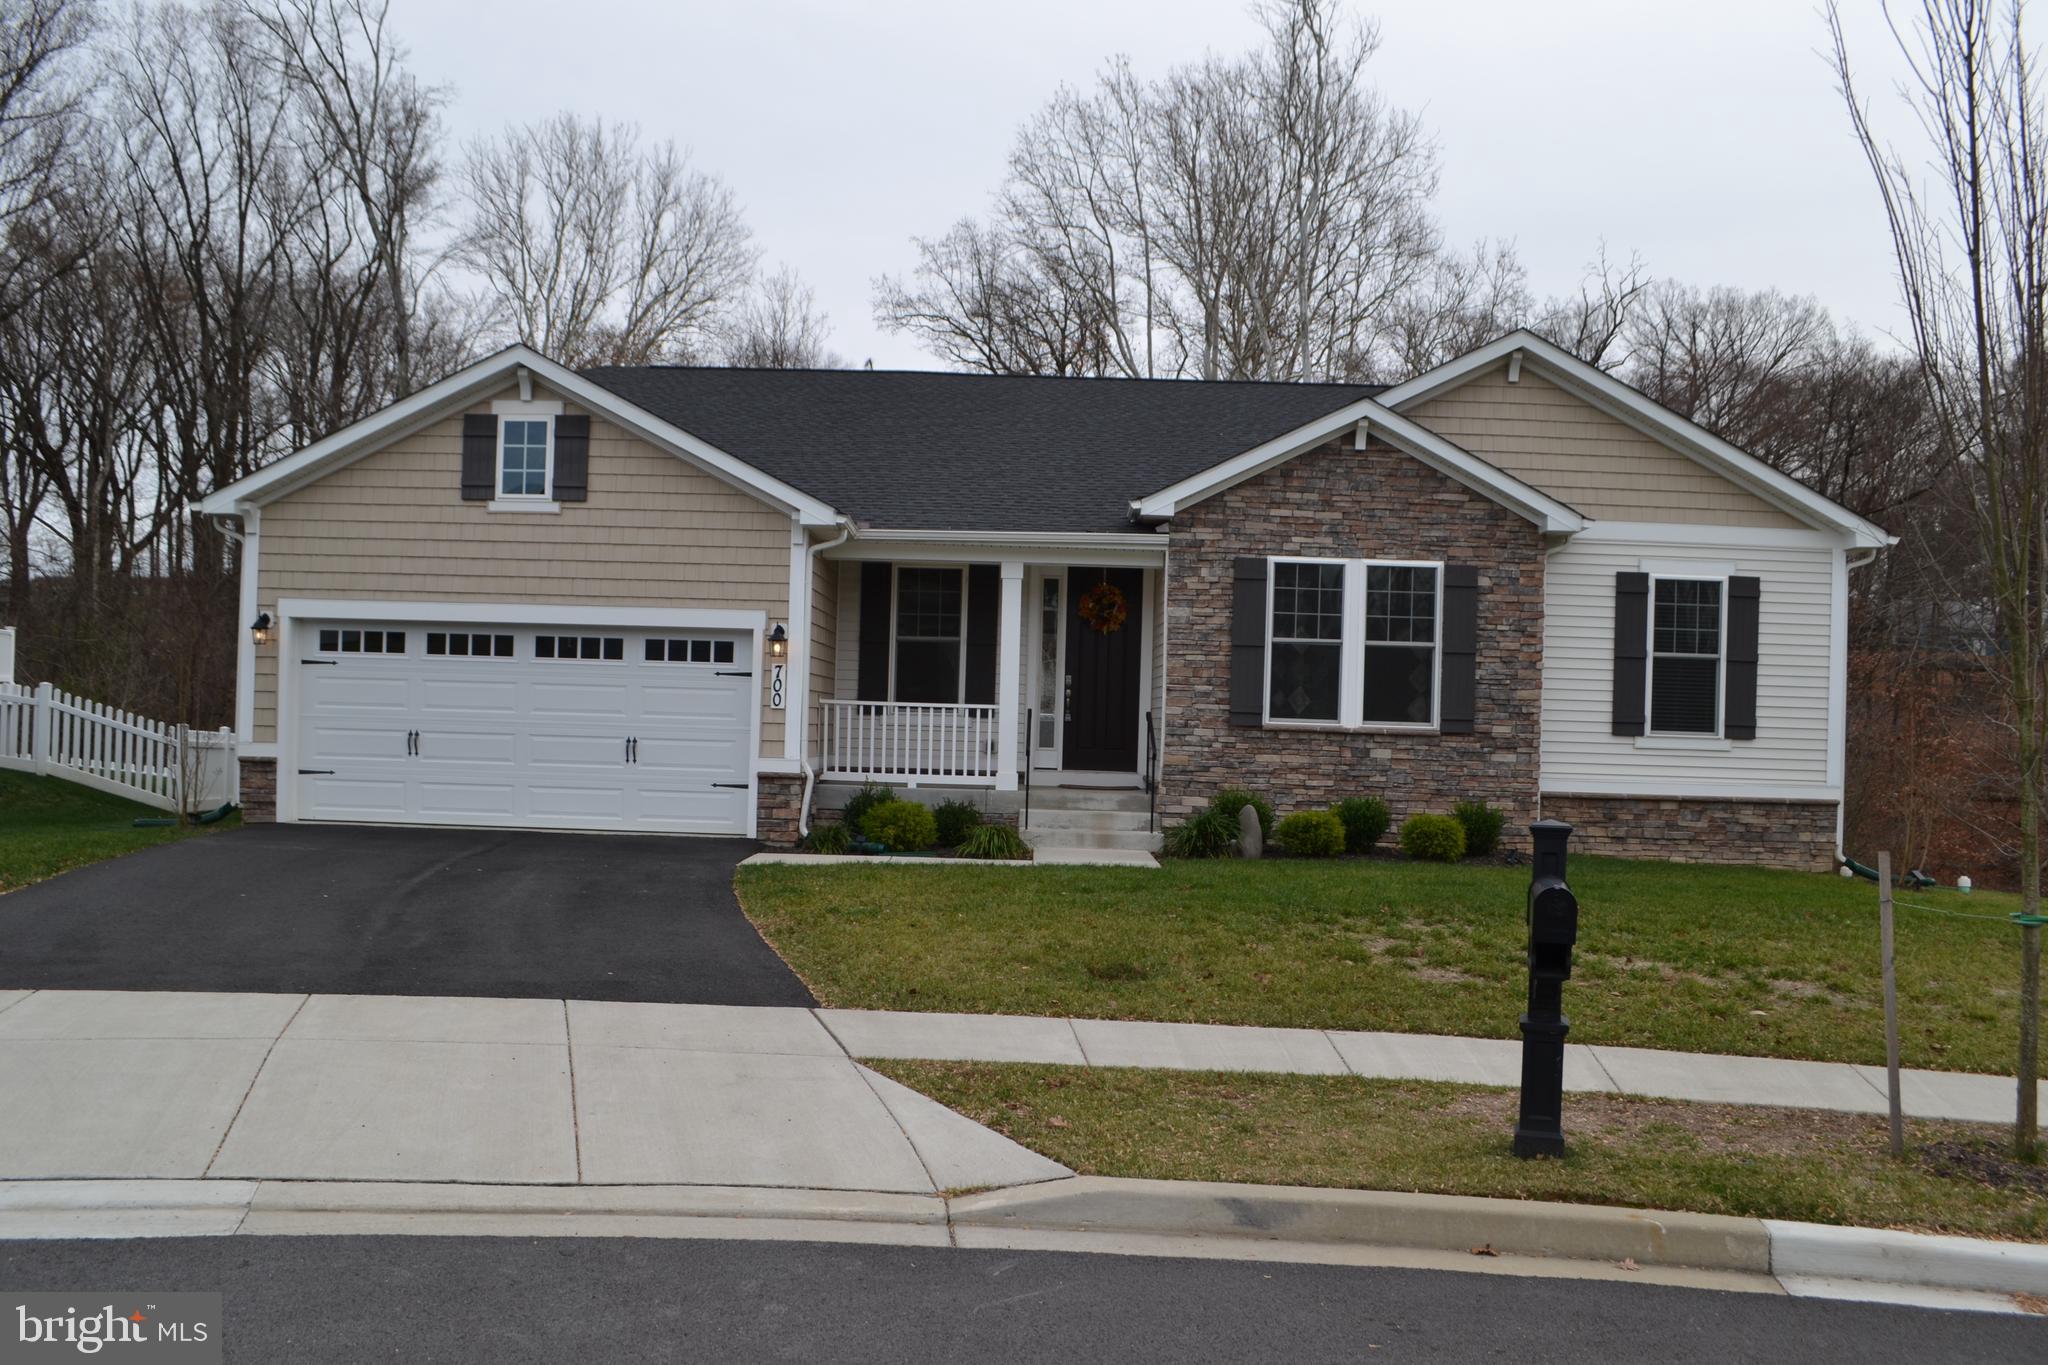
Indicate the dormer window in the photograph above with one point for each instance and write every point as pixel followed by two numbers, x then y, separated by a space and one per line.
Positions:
pixel 523 457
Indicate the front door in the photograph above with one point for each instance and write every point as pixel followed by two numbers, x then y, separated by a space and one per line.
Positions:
pixel 1104 658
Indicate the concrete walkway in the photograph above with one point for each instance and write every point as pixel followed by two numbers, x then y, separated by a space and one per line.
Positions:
pixel 1417 1056
pixel 188 1085
pixel 191 1085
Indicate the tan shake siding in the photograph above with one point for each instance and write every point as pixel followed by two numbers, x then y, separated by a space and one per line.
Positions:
pixel 655 532
pixel 1573 451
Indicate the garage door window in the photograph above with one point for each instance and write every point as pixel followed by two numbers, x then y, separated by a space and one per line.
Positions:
pixel 462 645
pixel 690 651
pixel 602 647
pixel 335 640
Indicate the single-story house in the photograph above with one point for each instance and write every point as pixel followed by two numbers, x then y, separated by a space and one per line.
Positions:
pixel 692 600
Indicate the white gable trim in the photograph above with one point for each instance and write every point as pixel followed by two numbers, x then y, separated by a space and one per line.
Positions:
pixel 430 404
pixel 1652 419
pixel 1425 445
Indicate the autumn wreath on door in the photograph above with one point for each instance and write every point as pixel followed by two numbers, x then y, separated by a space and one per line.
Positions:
pixel 1103 608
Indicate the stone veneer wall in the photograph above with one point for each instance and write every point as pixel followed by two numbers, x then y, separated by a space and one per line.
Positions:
pixel 259 791
pixel 1342 503
pixel 1759 833
pixel 781 798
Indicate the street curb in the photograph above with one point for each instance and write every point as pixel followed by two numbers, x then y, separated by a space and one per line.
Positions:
pixel 1824 1251
pixel 1429 1222
pixel 1216 1215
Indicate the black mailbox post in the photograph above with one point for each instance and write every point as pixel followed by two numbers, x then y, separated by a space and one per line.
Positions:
pixel 1553 929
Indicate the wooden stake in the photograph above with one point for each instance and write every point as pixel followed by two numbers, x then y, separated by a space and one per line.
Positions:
pixel 1891 1002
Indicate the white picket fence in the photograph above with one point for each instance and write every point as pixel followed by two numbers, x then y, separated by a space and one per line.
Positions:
pixel 47 731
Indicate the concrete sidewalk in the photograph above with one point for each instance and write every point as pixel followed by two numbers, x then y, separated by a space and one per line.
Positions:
pixel 170 1085
pixel 1417 1056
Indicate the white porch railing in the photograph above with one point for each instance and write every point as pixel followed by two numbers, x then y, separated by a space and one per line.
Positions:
pixel 47 731
pixel 910 741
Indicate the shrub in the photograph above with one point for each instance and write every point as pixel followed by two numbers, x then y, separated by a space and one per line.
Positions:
pixel 901 826
pixel 994 841
pixel 1228 802
pixel 1433 838
pixel 1365 819
pixel 956 819
pixel 1482 826
pixel 1205 834
pixel 1311 834
pixel 858 805
pixel 829 839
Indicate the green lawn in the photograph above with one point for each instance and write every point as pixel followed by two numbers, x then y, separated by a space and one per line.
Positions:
pixel 1708 959
pixel 49 826
pixel 1349 1133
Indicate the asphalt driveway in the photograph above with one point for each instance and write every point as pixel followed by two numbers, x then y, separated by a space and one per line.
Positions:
pixel 371 911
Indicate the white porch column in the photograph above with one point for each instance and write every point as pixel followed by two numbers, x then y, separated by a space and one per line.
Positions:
pixel 1009 660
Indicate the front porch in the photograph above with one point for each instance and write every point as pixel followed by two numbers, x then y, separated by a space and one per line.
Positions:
pixel 935 672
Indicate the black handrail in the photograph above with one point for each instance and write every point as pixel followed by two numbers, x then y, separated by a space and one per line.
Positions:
pixel 1030 737
pixel 1151 774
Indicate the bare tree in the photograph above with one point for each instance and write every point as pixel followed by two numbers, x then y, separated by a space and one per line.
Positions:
pixel 779 327
pixel 978 301
pixel 1249 217
pixel 1970 242
pixel 38 98
pixel 372 125
pixel 597 252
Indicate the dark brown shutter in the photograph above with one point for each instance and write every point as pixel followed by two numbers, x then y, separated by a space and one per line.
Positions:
pixel 1459 702
pixel 1631 650
pixel 1738 715
pixel 572 459
pixel 1248 642
pixel 479 457
pixel 984 608
pixel 874 631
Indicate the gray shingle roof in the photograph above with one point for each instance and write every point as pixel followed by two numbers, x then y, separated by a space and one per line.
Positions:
pixel 907 450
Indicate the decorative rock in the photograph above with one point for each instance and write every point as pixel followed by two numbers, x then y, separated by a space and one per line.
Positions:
pixel 1251 840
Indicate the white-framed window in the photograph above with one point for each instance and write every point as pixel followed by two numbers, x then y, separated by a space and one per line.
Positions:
pixel 464 644
pixel 1305 641
pixel 1687 655
pixel 930 654
pixel 604 648
pixel 697 651
pixel 350 640
pixel 526 456
pixel 1354 643
pixel 1403 614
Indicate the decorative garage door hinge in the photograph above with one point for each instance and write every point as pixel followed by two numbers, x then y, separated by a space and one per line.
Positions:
pixel 734 673
pixel 316 772
pixel 331 663
pixel 743 786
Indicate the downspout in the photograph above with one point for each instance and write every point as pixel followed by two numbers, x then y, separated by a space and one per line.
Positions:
pixel 803 814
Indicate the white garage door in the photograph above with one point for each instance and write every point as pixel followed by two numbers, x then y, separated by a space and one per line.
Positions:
pixel 530 727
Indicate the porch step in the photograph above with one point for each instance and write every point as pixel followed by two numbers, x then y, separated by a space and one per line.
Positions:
pixel 1039 836
pixel 1107 820
pixel 1050 798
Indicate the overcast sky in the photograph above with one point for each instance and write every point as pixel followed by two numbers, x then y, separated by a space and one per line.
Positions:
pixel 1707 137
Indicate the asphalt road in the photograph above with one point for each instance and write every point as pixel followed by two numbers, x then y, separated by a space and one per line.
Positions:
pixel 378 911
pixel 499 1299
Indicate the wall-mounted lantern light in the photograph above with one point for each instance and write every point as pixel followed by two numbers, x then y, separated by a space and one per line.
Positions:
pixel 778 641
pixel 261 631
